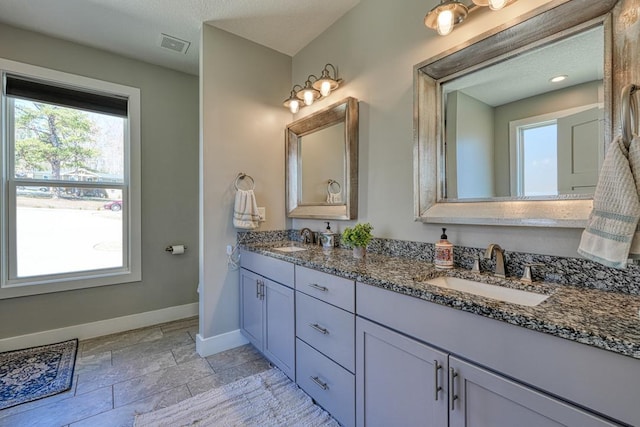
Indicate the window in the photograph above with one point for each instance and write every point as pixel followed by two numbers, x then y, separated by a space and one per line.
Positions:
pixel 550 153
pixel 538 159
pixel 71 182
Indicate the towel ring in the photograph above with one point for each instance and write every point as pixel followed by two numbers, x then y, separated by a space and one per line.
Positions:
pixel 629 113
pixel 241 176
pixel 330 187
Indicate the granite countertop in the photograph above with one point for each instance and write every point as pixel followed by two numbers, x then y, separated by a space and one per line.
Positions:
pixel 608 320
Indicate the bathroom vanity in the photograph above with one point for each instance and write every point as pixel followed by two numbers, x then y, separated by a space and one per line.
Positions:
pixel 376 344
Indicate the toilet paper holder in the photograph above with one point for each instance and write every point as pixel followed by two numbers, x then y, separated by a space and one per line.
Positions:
pixel 171 248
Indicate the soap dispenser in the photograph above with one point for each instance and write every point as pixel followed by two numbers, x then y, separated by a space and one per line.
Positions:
pixel 328 238
pixel 444 252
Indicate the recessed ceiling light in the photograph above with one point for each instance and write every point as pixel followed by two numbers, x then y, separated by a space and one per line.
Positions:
pixel 557 79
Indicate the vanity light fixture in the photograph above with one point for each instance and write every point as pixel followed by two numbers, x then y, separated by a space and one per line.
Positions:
pixel 449 13
pixel 314 88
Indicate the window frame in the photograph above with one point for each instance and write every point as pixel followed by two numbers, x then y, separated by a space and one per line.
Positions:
pixel 131 271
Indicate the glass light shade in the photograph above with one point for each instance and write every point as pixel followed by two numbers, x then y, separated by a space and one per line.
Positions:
pixel 308 94
pixel 294 106
pixel 445 16
pixel 445 22
pixel 309 97
pixel 292 103
pixel 325 84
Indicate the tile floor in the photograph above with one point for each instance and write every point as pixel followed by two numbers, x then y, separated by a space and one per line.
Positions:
pixel 120 375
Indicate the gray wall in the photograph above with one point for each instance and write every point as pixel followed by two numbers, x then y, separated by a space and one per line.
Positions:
pixel 243 86
pixel 169 138
pixel 470 147
pixel 375 46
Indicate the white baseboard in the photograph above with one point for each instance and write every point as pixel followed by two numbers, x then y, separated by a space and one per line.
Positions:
pixel 212 345
pixel 102 327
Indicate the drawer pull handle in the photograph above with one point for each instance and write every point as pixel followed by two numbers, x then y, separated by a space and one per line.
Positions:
pixel 319 383
pixel 452 388
pixel 319 328
pixel 436 368
pixel 318 287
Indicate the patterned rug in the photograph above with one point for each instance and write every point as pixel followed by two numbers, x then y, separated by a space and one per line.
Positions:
pixel 265 399
pixel 37 372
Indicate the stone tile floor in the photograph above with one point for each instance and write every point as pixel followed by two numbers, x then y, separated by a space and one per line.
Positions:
pixel 121 375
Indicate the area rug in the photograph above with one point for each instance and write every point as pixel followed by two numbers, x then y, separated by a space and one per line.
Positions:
pixel 265 399
pixel 37 372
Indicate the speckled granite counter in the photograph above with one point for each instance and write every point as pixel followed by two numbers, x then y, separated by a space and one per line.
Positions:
pixel 608 320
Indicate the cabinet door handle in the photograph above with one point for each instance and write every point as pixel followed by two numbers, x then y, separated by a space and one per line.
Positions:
pixel 258 288
pixel 261 289
pixel 452 388
pixel 319 383
pixel 318 287
pixel 436 368
pixel 319 328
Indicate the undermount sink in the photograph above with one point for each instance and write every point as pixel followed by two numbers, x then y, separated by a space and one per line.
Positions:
pixel 500 293
pixel 289 249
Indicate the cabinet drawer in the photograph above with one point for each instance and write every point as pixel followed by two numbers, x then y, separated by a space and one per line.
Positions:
pixel 328 329
pixel 330 385
pixel 275 269
pixel 327 287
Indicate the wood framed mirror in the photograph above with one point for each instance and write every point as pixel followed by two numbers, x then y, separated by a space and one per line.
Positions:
pixel 437 196
pixel 322 163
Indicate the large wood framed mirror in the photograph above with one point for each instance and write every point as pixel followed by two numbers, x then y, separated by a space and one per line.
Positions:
pixel 486 111
pixel 322 163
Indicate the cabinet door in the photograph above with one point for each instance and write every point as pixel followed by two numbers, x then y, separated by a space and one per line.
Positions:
pixel 399 381
pixel 251 307
pixel 279 321
pixel 480 398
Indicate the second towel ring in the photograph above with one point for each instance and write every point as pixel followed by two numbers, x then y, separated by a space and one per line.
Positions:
pixel 330 187
pixel 241 176
pixel 629 113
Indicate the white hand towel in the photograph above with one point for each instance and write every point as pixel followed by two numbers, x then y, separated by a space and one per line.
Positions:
pixel 612 235
pixel 245 210
pixel 333 198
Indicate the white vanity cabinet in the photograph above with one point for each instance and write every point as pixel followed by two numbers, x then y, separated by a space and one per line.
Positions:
pixel 512 379
pixel 267 316
pixel 325 334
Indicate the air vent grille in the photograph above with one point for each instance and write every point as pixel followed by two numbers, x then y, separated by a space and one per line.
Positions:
pixel 173 43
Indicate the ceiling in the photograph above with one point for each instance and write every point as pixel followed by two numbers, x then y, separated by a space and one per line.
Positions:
pixel 133 28
pixel 580 57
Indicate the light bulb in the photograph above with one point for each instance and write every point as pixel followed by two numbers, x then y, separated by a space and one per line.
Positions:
pixel 497 4
pixel 325 88
pixel 445 22
pixel 294 106
pixel 308 97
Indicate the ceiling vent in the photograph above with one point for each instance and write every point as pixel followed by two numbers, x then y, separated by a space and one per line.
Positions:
pixel 173 43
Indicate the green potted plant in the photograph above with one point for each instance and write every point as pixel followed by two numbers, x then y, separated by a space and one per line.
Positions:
pixel 357 238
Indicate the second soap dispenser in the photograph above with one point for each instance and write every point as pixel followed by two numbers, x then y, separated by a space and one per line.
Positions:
pixel 328 238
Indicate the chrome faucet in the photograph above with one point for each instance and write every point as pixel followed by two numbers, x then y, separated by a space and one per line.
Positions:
pixel 494 247
pixel 307 235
